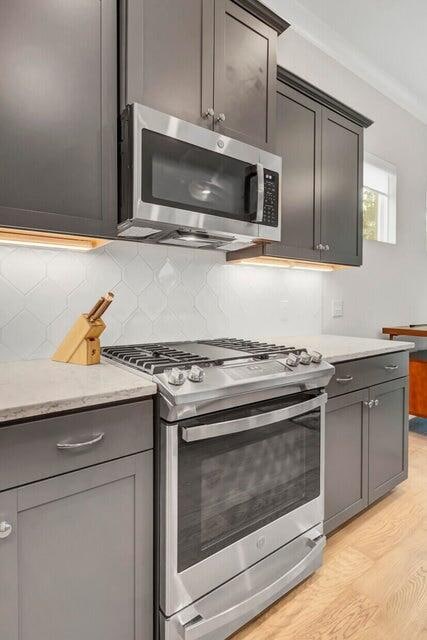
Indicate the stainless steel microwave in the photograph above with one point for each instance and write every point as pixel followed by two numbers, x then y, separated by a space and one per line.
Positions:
pixel 183 184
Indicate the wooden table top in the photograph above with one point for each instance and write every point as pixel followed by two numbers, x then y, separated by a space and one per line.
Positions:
pixel 419 330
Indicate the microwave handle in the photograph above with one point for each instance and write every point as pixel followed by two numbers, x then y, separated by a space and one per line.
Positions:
pixel 260 193
pixel 205 431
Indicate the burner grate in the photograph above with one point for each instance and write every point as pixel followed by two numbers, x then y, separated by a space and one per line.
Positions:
pixel 152 358
pixel 250 346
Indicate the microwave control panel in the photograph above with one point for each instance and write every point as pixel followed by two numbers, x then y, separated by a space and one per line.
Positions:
pixel 271 198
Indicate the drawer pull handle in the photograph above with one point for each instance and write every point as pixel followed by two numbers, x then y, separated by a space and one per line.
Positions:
pixel 344 380
pixel 5 529
pixel 391 367
pixel 73 446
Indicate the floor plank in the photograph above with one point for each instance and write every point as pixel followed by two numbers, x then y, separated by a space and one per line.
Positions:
pixel 373 582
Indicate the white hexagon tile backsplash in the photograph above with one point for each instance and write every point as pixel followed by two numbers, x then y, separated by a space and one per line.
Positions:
pixel 161 293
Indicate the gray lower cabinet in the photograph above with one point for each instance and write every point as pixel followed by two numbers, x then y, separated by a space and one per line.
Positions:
pixel 210 62
pixel 366 437
pixel 58 116
pixel 388 437
pixel 346 457
pixel 78 560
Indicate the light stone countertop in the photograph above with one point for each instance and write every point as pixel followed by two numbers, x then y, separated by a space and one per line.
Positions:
pixel 341 348
pixel 38 387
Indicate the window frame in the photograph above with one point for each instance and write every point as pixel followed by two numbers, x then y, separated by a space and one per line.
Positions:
pixel 386 223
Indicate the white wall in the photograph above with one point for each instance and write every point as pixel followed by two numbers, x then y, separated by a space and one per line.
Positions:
pixel 161 294
pixel 391 286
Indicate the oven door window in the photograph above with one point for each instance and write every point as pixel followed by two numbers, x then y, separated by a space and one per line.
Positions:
pixel 233 485
pixel 183 176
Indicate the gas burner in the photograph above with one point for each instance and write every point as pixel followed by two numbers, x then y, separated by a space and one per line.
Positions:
pixel 252 347
pixel 152 358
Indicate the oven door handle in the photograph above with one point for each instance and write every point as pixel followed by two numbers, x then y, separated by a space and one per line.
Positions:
pixel 256 602
pixel 216 429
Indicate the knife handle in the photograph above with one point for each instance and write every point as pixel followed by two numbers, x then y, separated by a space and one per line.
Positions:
pixel 101 308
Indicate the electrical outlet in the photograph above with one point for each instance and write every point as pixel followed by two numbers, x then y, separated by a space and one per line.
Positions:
pixel 283 309
pixel 337 308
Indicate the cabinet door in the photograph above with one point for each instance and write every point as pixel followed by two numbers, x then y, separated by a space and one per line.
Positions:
pixel 79 559
pixel 299 122
pixel 346 457
pixel 168 57
pixel 58 113
pixel 245 75
pixel 388 437
pixel 342 174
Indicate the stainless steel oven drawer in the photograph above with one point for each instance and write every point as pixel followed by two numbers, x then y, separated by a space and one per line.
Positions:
pixel 233 604
pixel 359 374
pixel 43 448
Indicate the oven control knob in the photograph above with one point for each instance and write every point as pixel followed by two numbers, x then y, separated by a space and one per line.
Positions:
pixel 316 357
pixel 305 358
pixel 292 360
pixel 176 376
pixel 196 374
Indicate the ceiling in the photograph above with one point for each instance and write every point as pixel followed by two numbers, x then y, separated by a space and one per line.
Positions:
pixel 382 41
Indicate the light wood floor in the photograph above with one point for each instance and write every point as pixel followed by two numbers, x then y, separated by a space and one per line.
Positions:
pixel 373 583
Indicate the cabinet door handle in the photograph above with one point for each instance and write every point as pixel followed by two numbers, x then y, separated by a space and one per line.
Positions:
pixel 391 367
pixel 376 403
pixel 369 403
pixel 326 247
pixel 344 380
pixel 220 117
pixel 5 529
pixel 209 113
pixel 319 247
pixel 73 446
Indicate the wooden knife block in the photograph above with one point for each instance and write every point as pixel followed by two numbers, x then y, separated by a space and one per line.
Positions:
pixel 81 344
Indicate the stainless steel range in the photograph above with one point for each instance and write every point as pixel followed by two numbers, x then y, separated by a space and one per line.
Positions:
pixel 241 465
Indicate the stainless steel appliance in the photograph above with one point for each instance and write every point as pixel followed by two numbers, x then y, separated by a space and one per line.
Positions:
pixel 241 465
pixel 183 184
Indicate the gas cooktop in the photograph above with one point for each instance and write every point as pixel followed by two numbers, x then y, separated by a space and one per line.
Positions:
pixel 155 358
pixel 207 375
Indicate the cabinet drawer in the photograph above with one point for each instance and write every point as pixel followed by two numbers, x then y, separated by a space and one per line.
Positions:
pixel 51 446
pixel 359 374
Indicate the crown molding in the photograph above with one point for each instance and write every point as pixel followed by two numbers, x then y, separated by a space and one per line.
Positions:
pixel 322 36
pixel 264 13
pixel 302 86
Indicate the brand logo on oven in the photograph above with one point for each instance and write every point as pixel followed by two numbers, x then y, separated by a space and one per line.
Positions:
pixel 260 543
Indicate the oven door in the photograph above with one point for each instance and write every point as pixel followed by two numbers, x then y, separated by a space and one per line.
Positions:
pixel 235 487
pixel 185 176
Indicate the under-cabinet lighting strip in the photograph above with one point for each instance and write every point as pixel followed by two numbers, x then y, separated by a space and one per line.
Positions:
pixel 48 240
pixel 284 263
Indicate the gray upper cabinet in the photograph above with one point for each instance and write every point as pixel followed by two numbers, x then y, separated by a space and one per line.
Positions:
pixel 388 437
pixel 342 184
pixel 245 76
pixel 210 62
pixel 58 116
pixel 167 57
pixel 320 141
pixel 299 143
pixel 78 560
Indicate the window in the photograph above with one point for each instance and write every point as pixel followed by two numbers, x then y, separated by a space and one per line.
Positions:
pixel 379 200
